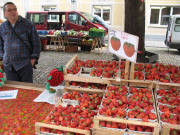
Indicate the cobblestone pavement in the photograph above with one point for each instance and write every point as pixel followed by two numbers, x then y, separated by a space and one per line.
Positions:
pixel 52 59
pixel 166 56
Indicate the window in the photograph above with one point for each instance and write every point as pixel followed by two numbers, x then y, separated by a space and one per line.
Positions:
pixel 165 14
pixel 97 10
pixel 103 11
pixel 49 8
pixel 177 20
pixel 51 18
pixel 38 18
pixel 177 28
pixel 176 10
pixel 75 18
pixel 154 16
pixel 160 15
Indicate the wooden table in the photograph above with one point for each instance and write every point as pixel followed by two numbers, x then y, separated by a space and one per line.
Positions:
pixel 18 116
pixel 57 41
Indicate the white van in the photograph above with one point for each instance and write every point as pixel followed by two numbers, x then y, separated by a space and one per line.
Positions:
pixel 173 32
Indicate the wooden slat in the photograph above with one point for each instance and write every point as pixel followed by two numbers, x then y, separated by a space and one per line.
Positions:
pixel 85 79
pixel 103 131
pixel 121 82
pixel 127 70
pixel 74 130
pixel 160 85
pixel 70 62
pixel 24 85
pixel 165 131
pixel 151 124
pixel 132 71
pixel 84 90
pixel 174 126
pixel 140 83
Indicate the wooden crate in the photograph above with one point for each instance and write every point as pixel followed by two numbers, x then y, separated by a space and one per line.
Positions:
pixel 97 130
pixel 38 125
pixel 165 128
pixel 88 79
pixel 71 48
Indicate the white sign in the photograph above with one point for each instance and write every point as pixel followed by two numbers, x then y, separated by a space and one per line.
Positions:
pixel 123 44
pixel 10 94
pixel 70 102
pixel 45 96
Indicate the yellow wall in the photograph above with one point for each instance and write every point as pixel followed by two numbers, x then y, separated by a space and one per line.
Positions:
pixel 118 14
pixel 84 5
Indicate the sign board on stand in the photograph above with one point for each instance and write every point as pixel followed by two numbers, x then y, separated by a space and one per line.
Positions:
pixel 123 44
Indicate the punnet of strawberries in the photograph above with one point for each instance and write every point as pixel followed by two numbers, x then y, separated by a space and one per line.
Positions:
pixel 87 101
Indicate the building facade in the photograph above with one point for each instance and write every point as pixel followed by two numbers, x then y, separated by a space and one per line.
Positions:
pixel 112 11
pixel 157 15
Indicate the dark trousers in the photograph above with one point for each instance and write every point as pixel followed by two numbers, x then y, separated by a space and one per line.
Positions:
pixel 23 75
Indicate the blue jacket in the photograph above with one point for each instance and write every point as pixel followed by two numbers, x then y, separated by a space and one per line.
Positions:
pixel 12 50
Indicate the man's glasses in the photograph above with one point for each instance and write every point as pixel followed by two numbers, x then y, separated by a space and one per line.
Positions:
pixel 10 10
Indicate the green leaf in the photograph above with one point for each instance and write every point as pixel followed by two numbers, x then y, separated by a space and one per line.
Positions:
pixel 60 68
pixel 0 84
pixel 50 77
pixel 1 71
pixel 2 79
pixel 47 86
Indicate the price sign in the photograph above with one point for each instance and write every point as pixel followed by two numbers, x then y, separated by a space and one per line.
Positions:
pixel 123 44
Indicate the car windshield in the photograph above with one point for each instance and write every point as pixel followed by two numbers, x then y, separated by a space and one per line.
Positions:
pixel 96 19
pixel 100 21
pixel 88 16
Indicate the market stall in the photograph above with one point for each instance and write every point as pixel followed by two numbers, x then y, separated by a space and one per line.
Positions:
pixel 117 97
pixel 69 41
pixel 100 97
pixel 97 105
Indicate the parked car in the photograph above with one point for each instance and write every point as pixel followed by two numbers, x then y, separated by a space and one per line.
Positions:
pixel 173 32
pixel 65 20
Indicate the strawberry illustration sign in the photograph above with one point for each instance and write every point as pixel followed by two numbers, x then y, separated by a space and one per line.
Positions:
pixel 123 44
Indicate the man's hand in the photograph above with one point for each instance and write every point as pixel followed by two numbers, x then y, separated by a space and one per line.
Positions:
pixel 33 62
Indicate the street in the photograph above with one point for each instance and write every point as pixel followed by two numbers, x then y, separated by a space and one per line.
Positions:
pixel 51 59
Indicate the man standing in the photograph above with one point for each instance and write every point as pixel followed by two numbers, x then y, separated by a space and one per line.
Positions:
pixel 19 45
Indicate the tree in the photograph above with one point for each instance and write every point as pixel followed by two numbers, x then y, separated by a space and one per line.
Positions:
pixel 135 23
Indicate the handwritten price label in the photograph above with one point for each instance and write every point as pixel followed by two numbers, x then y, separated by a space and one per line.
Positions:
pixel 70 102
